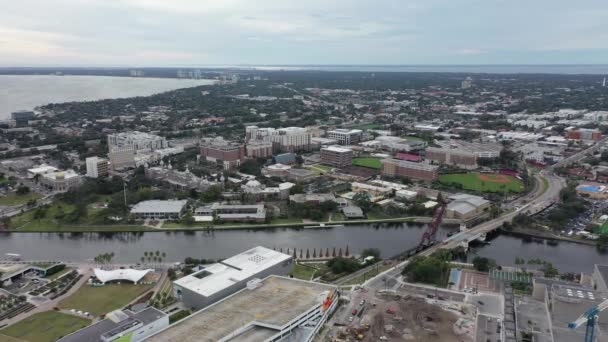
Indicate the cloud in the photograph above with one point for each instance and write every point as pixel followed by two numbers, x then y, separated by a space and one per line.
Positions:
pixel 161 32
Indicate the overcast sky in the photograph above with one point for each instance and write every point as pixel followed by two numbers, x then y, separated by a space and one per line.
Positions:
pixel 227 32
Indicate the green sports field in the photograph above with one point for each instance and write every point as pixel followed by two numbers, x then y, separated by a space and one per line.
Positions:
pixel 369 162
pixel 483 182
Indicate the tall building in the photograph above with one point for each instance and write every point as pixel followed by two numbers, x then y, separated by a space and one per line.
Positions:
pixel 121 159
pixel 337 156
pixel 97 167
pixel 402 168
pixel 467 83
pixel 226 153
pixel 137 141
pixel 346 136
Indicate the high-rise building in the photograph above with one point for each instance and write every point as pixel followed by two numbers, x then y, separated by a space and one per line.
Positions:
pixel 467 83
pixel 259 149
pixel 137 141
pixel 337 156
pixel 346 136
pixel 97 167
pixel 402 168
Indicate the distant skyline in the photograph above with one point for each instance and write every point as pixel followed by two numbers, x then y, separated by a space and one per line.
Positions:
pixel 143 33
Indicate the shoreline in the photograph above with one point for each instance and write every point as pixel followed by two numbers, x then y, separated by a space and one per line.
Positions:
pixel 523 233
pixel 261 226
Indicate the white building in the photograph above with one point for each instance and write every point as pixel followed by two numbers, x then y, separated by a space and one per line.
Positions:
pixel 137 141
pixel 60 181
pixel 41 170
pixel 97 167
pixel 288 139
pixel 346 136
pixel 224 278
pixel 159 210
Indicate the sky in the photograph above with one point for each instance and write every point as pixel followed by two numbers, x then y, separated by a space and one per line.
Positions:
pixel 295 32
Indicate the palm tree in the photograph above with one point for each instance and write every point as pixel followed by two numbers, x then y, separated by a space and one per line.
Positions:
pixel 142 259
pixel 164 255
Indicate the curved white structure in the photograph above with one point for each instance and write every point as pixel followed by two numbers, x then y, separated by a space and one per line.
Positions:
pixel 121 274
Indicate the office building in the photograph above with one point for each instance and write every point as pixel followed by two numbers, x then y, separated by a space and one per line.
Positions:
pixel 121 159
pixel 346 136
pixel 397 144
pixel 337 156
pixel 122 325
pixel 222 152
pixel 179 180
pixel 584 134
pixel 402 168
pixel 41 170
pixel 60 181
pixel 159 210
pixel 97 167
pixel 466 83
pixel 220 280
pixel 137 141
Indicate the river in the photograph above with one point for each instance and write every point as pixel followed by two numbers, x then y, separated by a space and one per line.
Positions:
pixel 391 239
pixel 19 92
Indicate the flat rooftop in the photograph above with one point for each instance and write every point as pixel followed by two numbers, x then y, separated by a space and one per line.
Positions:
pixel 221 275
pixel 159 206
pixel 275 303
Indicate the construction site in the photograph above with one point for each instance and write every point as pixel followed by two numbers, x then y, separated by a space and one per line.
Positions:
pixel 392 316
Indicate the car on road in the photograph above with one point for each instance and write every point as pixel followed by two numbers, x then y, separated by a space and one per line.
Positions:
pixel 354 312
pixel 351 318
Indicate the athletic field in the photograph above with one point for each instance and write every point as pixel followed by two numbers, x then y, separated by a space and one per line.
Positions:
pixel 370 162
pixel 483 182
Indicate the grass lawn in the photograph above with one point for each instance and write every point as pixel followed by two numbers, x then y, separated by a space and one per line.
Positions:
pixel 102 299
pixel 369 162
pixel 59 274
pixel 303 272
pixel 412 138
pixel 319 169
pixel 483 182
pixel 285 220
pixel 45 327
pixel 14 199
pixel 371 273
pixel 603 229
pixel 26 220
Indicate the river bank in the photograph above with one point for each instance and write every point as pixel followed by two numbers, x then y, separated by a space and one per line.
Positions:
pixel 244 226
pixel 549 236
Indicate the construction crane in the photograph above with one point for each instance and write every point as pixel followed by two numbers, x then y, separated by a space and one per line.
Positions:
pixel 428 238
pixel 590 316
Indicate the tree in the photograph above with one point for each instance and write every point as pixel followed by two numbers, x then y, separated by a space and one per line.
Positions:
pixel 430 270
pixel 483 264
pixel 363 200
pixel 296 189
pixel 374 252
pixel 22 190
pixel 340 265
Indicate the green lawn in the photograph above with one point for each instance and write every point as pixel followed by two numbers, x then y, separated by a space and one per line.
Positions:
pixel 412 138
pixel 285 220
pixel 102 299
pixel 46 326
pixel 26 220
pixel 319 169
pixel 303 272
pixel 14 199
pixel 604 228
pixel 369 162
pixel 483 182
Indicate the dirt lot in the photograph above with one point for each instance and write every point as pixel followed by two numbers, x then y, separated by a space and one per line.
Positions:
pixel 409 319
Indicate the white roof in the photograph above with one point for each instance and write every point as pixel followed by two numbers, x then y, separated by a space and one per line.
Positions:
pixel 60 174
pixel 337 149
pixel 159 206
pixel 43 169
pixel 120 274
pixel 235 269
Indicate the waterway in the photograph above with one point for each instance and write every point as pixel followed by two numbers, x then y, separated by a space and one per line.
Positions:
pixel 26 92
pixel 391 239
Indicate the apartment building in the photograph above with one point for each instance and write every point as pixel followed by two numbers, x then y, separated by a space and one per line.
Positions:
pixel 137 141
pixel 222 152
